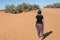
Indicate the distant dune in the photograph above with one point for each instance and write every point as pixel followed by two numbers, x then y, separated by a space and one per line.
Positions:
pixel 22 26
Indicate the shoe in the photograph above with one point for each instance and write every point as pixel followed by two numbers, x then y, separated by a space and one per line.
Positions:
pixel 42 38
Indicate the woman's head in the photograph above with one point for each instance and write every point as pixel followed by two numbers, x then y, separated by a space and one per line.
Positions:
pixel 39 12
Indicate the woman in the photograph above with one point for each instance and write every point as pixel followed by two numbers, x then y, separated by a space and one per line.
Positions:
pixel 39 24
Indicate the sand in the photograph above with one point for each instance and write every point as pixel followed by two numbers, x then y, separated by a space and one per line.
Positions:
pixel 22 26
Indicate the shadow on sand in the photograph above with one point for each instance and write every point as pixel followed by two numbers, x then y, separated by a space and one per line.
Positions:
pixel 46 35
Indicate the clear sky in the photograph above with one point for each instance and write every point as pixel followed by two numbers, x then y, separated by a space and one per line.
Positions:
pixel 41 3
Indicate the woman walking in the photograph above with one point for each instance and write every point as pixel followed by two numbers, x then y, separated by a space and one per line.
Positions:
pixel 39 24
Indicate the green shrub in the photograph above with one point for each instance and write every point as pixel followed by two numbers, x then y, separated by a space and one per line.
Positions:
pixel 20 8
pixel 35 7
pixel 55 5
pixel 10 8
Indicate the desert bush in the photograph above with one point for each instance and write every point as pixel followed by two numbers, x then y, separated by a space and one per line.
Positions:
pixel 20 8
pixel 7 9
pixel 10 8
pixel 35 7
pixel 55 5
pixel 26 7
pixel 29 7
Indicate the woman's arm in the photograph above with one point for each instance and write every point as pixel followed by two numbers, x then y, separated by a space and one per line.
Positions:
pixel 43 21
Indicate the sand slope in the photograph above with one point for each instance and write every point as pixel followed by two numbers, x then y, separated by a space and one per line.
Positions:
pixel 22 26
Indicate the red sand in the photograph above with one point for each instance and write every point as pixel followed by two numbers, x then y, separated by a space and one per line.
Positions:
pixel 22 26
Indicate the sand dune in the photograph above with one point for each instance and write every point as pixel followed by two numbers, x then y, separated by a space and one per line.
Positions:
pixel 22 26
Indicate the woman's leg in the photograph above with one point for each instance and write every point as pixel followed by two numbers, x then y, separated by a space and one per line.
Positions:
pixel 41 30
pixel 38 29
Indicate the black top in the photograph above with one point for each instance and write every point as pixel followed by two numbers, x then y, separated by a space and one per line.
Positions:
pixel 39 19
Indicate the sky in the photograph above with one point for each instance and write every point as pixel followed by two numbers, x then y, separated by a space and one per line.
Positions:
pixel 41 3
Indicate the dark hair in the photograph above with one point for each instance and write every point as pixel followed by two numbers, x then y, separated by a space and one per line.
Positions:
pixel 39 12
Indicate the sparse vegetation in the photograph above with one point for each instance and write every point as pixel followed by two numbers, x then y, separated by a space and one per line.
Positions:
pixel 21 8
pixel 55 5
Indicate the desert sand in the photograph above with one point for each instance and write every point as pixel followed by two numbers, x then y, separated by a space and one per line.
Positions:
pixel 22 26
